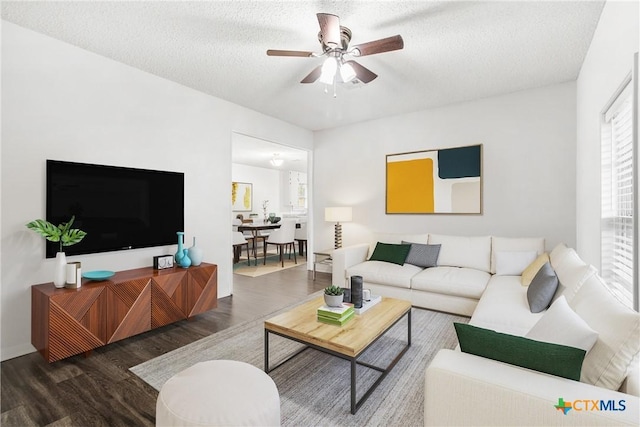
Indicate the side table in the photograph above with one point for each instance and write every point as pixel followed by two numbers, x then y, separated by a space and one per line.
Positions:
pixel 322 257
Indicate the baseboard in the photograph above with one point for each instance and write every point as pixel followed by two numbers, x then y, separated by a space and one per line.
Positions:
pixel 16 351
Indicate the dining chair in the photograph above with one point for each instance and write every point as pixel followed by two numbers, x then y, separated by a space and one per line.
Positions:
pixel 238 242
pixel 300 236
pixel 248 235
pixel 283 237
pixel 256 237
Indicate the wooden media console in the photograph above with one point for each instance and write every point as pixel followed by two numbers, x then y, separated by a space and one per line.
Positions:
pixel 66 322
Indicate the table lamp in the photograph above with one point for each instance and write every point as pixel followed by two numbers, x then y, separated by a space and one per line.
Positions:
pixel 337 215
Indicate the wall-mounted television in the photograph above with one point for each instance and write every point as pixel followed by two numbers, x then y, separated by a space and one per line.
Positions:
pixel 119 208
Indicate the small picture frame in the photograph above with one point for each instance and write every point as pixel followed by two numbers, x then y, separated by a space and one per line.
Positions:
pixel 160 262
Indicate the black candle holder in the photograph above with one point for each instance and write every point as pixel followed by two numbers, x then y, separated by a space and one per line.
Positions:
pixel 356 291
pixel 347 294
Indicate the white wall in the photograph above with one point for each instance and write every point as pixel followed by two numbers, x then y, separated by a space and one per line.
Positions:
pixel 266 186
pixel 62 102
pixel 528 167
pixel 606 64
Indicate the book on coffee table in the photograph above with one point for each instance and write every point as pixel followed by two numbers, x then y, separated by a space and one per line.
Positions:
pixel 335 312
pixel 339 321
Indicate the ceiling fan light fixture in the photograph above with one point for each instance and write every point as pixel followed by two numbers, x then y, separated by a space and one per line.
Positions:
pixel 334 40
pixel 329 68
pixel 347 72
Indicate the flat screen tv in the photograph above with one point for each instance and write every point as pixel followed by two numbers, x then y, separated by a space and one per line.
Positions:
pixel 119 208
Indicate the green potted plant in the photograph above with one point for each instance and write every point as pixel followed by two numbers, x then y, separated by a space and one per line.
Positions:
pixel 63 234
pixel 333 296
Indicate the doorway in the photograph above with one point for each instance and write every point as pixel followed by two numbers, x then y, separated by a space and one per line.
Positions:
pixel 279 179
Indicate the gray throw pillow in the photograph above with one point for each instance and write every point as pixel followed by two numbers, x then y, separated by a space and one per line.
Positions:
pixel 422 255
pixel 542 289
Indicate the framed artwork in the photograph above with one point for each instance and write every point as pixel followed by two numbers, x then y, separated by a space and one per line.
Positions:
pixel 442 181
pixel 242 196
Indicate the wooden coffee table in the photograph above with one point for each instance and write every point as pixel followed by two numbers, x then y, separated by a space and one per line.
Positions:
pixel 347 342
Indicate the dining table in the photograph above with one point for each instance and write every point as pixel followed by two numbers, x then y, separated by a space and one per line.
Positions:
pixel 254 228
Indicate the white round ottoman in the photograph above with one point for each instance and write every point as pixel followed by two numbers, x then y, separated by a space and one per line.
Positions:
pixel 219 393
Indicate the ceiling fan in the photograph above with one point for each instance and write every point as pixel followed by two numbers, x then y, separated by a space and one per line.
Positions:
pixel 335 39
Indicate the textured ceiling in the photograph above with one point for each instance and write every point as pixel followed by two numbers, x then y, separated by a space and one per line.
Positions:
pixel 454 51
pixel 248 150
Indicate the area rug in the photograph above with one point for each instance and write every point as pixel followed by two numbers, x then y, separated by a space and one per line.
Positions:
pixel 273 264
pixel 313 386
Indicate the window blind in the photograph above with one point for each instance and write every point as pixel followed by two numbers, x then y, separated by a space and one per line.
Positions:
pixel 618 196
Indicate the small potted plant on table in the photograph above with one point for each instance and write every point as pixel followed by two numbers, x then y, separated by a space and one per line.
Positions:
pixel 333 296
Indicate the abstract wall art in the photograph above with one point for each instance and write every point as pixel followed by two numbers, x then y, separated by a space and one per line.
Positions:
pixel 442 181
pixel 241 196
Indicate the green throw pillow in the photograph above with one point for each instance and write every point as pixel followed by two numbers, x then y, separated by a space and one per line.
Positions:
pixel 389 252
pixel 554 359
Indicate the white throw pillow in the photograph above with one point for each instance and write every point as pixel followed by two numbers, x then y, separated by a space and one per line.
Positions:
pixel 609 361
pixel 557 254
pixel 513 244
pixel 572 272
pixel 513 263
pixel 561 325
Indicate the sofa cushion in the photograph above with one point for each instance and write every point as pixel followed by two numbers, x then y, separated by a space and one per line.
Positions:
pixel 557 254
pixel 530 272
pixel 389 252
pixel 397 238
pixel 572 272
pixel 422 255
pixel 542 289
pixel 511 244
pixel 618 327
pixel 561 325
pixel 554 359
pixel 513 263
pixel 384 273
pixel 459 251
pixel 464 282
pixel 504 308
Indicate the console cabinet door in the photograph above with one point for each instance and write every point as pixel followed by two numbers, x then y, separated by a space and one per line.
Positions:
pixel 202 291
pixel 76 324
pixel 128 308
pixel 169 298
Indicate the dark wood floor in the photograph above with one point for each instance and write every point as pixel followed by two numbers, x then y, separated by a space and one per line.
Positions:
pixel 100 390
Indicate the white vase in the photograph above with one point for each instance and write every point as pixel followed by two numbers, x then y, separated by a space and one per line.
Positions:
pixel 60 277
pixel 195 253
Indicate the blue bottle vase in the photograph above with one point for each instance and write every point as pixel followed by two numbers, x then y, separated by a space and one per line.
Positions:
pixel 180 252
pixel 185 261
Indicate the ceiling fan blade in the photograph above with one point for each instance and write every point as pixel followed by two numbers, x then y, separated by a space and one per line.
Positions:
pixel 301 53
pixel 363 74
pixel 330 29
pixel 378 46
pixel 313 76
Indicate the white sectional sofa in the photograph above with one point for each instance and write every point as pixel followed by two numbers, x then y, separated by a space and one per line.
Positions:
pixel 497 393
pixel 465 389
pixel 465 267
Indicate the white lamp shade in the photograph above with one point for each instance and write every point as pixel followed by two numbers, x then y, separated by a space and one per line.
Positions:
pixel 329 69
pixel 337 214
pixel 347 72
